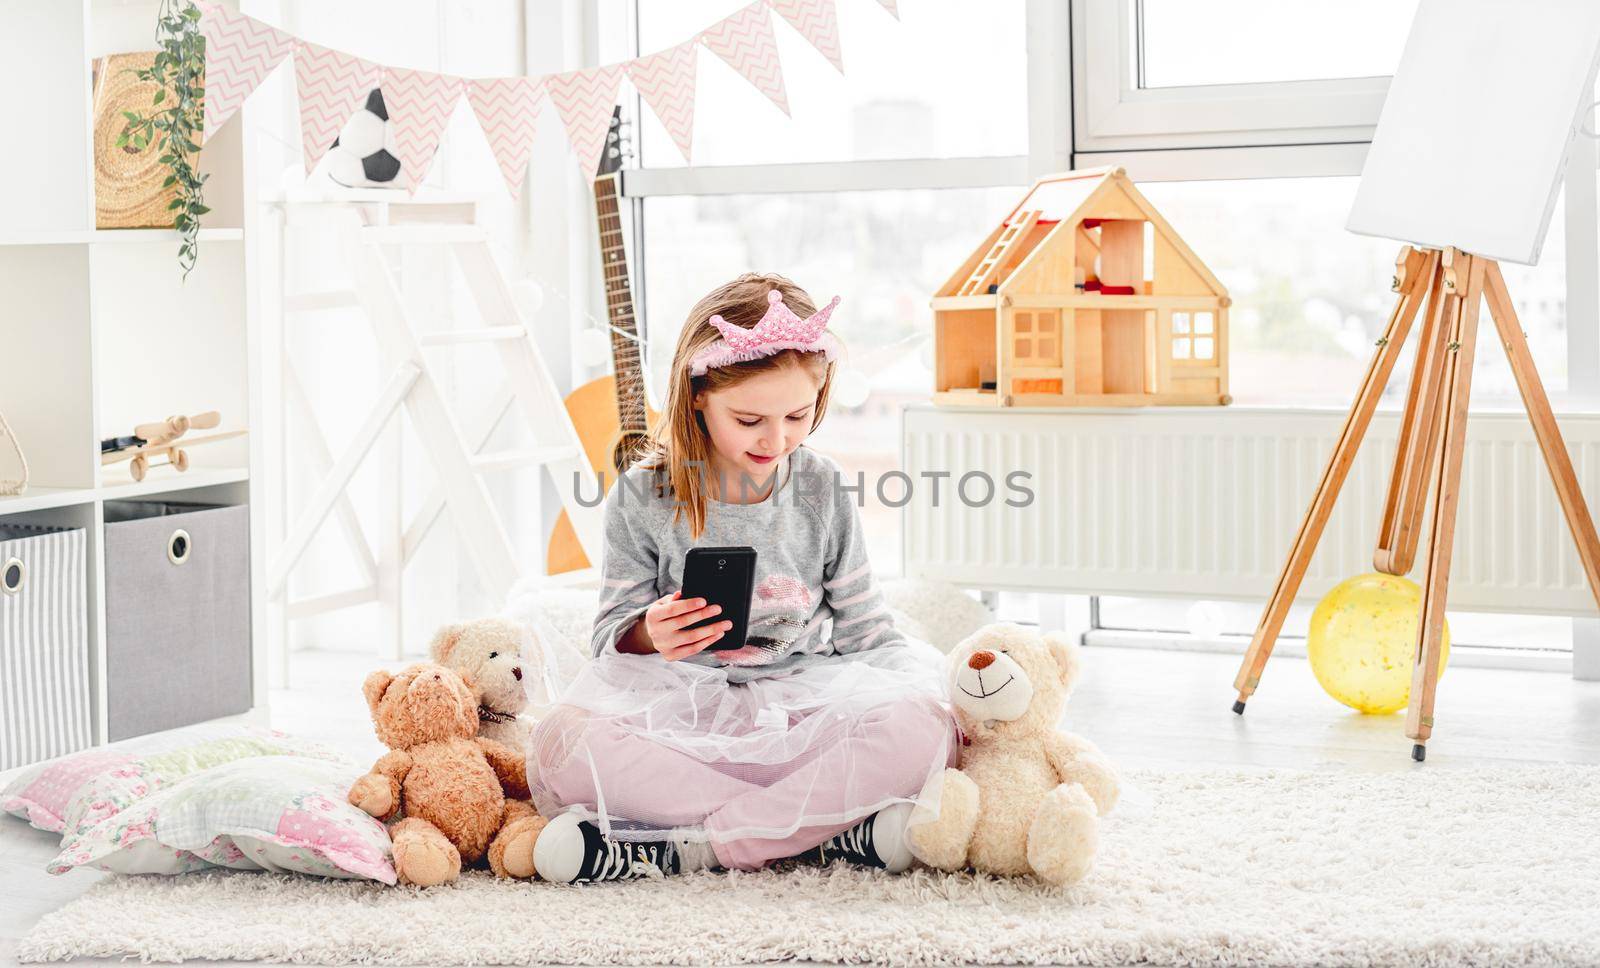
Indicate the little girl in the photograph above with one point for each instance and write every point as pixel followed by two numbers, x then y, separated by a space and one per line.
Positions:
pixel 815 735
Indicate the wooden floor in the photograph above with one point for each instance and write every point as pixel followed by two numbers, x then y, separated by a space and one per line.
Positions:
pixel 1145 708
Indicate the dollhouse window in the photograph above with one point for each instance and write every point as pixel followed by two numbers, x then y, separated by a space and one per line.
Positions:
pixel 1193 336
pixel 1038 338
pixel 1204 341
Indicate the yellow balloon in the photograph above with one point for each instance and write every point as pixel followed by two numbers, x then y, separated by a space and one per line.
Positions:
pixel 1363 635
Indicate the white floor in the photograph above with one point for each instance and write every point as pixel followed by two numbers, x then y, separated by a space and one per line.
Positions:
pixel 1145 708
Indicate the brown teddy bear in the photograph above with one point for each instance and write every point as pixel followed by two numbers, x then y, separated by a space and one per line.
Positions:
pixel 461 796
pixel 494 654
pixel 1027 797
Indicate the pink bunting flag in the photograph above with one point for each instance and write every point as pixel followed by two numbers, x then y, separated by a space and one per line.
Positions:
pixel 746 41
pixel 666 82
pixel 240 52
pixel 818 22
pixel 584 100
pixel 332 84
pixel 892 7
pixel 419 104
pixel 506 108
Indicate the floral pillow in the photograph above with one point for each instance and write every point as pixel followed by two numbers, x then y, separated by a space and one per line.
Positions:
pixel 72 793
pixel 275 813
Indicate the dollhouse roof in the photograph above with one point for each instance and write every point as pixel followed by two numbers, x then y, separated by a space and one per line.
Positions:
pixel 1063 201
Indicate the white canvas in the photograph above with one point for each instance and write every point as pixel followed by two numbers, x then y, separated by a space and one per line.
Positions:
pixel 1472 141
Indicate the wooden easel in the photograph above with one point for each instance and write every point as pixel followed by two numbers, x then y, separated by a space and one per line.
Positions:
pixel 1433 434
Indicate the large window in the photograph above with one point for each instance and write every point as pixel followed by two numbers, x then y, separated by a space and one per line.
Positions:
pixel 1244 121
pixel 1310 298
pixel 1162 74
pixel 1180 43
pixel 876 188
pixel 882 251
pixel 902 95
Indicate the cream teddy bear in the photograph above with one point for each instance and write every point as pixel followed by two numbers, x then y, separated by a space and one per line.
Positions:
pixel 1027 797
pixel 495 654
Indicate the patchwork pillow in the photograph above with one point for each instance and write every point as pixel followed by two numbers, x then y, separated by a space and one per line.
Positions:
pixel 275 813
pixel 72 793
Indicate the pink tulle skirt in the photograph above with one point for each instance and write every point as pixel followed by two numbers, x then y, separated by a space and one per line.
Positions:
pixel 648 748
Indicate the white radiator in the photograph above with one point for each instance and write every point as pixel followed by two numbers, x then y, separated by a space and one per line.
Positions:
pixel 1205 502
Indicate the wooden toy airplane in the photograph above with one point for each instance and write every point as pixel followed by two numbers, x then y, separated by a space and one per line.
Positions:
pixel 163 439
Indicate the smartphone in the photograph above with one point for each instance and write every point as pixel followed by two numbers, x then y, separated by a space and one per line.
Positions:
pixel 726 577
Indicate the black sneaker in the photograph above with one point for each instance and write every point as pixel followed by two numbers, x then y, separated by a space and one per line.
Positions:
pixel 570 850
pixel 878 841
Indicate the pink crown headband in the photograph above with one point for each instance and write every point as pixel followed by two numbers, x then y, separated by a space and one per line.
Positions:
pixel 780 329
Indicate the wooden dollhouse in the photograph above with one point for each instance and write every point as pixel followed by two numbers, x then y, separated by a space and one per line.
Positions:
pixel 1082 296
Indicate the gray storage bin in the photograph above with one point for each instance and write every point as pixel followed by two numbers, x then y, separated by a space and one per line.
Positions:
pixel 45 707
pixel 177 614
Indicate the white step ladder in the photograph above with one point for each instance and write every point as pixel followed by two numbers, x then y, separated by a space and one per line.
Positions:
pixel 459 463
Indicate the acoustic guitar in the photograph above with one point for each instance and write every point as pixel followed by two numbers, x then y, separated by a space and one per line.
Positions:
pixel 611 413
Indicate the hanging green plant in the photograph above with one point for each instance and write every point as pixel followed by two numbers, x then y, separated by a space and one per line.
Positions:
pixel 175 119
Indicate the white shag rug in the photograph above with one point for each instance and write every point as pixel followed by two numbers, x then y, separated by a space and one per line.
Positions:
pixel 1424 867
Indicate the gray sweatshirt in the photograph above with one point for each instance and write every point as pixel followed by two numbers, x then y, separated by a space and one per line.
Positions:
pixel 814 591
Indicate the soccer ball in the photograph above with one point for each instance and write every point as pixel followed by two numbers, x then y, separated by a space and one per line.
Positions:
pixel 363 155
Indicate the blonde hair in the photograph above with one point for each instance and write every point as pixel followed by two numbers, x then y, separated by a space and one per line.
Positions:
pixel 680 439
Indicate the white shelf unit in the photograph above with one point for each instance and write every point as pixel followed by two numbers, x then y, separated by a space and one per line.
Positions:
pixel 168 237
pixel 99 330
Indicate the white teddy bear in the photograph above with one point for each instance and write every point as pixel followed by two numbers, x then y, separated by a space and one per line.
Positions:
pixel 1027 797
pixel 496 655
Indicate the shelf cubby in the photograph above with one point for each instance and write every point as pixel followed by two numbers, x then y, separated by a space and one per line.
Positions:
pixel 99 329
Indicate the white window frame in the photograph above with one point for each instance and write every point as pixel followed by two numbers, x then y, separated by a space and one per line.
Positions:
pixel 1115 114
pixel 826 176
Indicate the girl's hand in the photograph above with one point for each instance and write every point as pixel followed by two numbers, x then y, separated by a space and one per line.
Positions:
pixel 666 621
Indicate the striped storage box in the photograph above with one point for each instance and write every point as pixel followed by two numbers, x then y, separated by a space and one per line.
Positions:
pixel 44 644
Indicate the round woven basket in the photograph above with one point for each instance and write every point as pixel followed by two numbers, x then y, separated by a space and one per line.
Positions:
pixel 127 182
